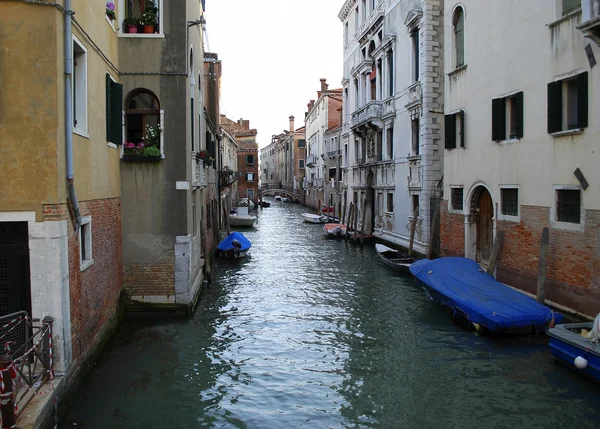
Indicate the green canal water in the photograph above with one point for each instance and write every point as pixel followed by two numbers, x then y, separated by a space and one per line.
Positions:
pixel 314 333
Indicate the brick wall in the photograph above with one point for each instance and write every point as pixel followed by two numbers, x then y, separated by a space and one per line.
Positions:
pixel 452 232
pixel 150 279
pixel 572 277
pixel 94 293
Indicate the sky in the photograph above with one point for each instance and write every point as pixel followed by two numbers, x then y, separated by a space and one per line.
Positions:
pixel 273 53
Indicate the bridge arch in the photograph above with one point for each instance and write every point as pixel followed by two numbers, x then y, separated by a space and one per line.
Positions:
pixel 283 192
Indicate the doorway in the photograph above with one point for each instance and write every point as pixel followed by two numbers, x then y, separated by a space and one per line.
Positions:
pixel 484 210
pixel 15 286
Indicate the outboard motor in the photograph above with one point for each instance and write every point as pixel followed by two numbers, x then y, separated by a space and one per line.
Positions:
pixel 236 248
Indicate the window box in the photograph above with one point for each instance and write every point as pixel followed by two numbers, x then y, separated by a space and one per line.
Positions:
pixel 141 158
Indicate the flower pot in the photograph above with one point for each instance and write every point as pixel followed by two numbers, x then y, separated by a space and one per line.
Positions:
pixel 132 28
pixel 148 29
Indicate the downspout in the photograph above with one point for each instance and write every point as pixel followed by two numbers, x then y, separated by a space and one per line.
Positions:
pixel 72 198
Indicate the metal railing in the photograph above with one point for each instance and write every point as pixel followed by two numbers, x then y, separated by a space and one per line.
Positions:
pixel 26 363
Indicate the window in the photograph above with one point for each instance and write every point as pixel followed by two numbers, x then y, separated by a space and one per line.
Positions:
pixel 85 243
pixel 390 141
pixel 114 116
pixel 415 203
pixel 570 5
pixel 454 130
pixel 250 177
pixel 459 37
pixel 143 119
pixel 364 10
pixel 568 205
pixel 390 202
pixel 416 54
pixel 301 164
pixel 194 229
pixel 356 19
pixel 249 159
pixel 507 117
pixel 568 104
pixel 456 196
pixel 142 16
pixel 356 94
pixel 390 70
pixel 332 173
pixel 510 201
pixel 416 132
pixel 79 84
pixel 346 33
pixel 250 194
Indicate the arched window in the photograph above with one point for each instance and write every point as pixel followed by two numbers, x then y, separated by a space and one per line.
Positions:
pixel 459 36
pixel 142 120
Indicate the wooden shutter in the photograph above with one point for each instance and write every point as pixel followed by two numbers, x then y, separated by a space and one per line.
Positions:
pixel 554 107
pixel 462 128
pixel 116 116
pixel 519 108
pixel 450 138
pixel 582 100
pixel 108 109
pixel 498 119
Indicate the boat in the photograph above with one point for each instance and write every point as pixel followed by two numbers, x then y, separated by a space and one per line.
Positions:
pixel 240 217
pixel 576 345
pixel 463 287
pixel 234 246
pixel 395 259
pixel 277 197
pixel 265 204
pixel 314 218
pixel 334 230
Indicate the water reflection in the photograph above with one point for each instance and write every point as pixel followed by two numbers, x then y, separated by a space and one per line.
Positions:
pixel 315 333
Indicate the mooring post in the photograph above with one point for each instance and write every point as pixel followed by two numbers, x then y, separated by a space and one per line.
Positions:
pixel 540 296
pixel 7 397
pixel 432 232
pixel 363 221
pixel 343 213
pixel 319 206
pixel 495 252
pixel 355 229
pixel 413 227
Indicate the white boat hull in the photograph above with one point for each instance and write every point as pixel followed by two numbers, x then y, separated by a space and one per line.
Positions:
pixel 240 220
pixel 313 218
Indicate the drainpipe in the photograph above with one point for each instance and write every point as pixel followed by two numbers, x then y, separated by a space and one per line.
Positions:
pixel 69 114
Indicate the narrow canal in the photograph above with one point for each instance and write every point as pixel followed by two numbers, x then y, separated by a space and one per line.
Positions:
pixel 314 333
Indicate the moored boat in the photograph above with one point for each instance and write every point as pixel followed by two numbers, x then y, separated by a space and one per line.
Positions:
pixel 334 230
pixel 395 259
pixel 241 218
pixel 234 246
pixel 314 218
pixel 461 286
pixel 576 346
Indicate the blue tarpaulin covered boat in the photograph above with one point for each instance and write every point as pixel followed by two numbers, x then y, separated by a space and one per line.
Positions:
pixel 461 285
pixel 235 245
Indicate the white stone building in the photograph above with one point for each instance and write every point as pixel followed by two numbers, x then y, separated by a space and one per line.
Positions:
pixel 522 104
pixel 393 111
pixel 267 165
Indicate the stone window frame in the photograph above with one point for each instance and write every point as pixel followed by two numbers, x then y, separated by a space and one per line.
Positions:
pixel 568 226
pixel 161 23
pixel 86 259
pixel 451 208
pixel 505 217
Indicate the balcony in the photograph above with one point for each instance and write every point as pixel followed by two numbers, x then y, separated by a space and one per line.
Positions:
pixel 590 20
pixel 311 161
pixel 371 22
pixel 368 116
pixel 333 154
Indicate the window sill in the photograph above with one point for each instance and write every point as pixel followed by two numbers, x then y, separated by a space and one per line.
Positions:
pixel 413 158
pixel 572 132
pixel 140 158
pixel 114 146
pixel 86 264
pixel 454 148
pixel 567 226
pixel 111 23
pixel 81 133
pixel 509 218
pixel 509 141
pixel 566 17
pixel 142 35
pixel 457 70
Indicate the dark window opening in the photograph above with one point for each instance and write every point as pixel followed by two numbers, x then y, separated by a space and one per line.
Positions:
pixel 568 205
pixel 457 198
pixel 510 201
pixel 250 159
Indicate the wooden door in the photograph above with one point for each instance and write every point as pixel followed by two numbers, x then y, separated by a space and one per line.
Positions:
pixel 485 233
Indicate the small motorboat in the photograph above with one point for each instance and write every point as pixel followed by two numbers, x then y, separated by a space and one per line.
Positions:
pixel 265 204
pixel 576 345
pixel 395 259
pixel 469 293
pixel 241 218
pixel 277 197
pixel 234 246
pixel 334 230
pixel 314 218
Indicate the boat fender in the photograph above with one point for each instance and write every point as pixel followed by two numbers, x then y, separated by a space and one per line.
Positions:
pixel 580 362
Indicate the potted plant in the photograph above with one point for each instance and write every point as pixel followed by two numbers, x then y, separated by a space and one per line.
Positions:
pixel 149 17
pixel 110 10
pixel 131 24
pixel 205 157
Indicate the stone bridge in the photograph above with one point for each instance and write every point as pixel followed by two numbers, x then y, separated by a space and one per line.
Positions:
pixel 283 192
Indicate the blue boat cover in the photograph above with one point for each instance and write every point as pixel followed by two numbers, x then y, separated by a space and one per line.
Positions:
pixel 484 300
pixel 225 244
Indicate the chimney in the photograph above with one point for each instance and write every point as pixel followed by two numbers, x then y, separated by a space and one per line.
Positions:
pixel 323 84
pixel 311 104
pixel 292 124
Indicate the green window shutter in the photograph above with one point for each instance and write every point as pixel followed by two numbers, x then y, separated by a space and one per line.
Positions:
pixel 498 119
pixel 108 108
pixel 554 107
pixel 116 116
pixel 462 128
pixel 519 101
pixel 450 137
pixel 582 100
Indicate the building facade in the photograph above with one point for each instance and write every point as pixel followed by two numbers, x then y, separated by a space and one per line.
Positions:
pixel 522 144
pixel 321 116
pixel 164 200
pixel 393 112
pixel 267 166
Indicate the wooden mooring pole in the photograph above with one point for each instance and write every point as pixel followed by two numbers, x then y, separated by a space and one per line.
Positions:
pixel 540 296
pixel 363 221
pixel 413 227
pixel 495 252
pixel 432 232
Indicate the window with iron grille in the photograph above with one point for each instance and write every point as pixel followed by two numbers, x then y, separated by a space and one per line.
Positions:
pixel 568 205
pixel 510 201
pixel 457 198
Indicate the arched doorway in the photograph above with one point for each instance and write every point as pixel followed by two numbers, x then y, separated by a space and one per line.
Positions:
pixel 482 214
